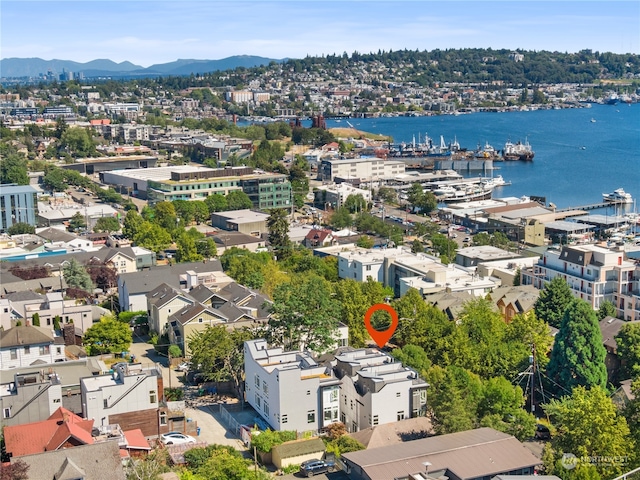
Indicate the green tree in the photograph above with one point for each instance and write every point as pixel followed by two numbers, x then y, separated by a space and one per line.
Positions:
pixel 201 211
pixel 607 309
pixel 628 340
pixel 152 236
pixel 278 225
pixel 413 356
pixel 132 223
pixel 304 315
pixel 577 358
pixel 388 195
pixel 186 249
pixel 164 215
pixel 341 218
pixel 185 211
pixel 77 222
pixel 107 336
pixel 206 247
pixel 54 179
pixel 553 301
pixel 365 241
pixel 21 228
pixel 216 203
pixel 107 224
pixel 76 276
pixel 587 424
pixel 36 319
pixel 238 200
pixel 355 203
pixel 78 142
pixel 13 167
pixel 417 246
pixel 220 354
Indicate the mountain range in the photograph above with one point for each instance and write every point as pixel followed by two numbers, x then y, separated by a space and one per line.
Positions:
pixel 33 67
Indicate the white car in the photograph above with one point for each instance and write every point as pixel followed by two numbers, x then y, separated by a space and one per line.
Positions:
pixel 184 367
pixel 176 438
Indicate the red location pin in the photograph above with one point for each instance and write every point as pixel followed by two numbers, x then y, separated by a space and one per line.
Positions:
pixel 381 337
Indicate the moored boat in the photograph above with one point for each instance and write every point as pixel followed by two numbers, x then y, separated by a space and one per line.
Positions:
pixel 618 196
pixel 518 151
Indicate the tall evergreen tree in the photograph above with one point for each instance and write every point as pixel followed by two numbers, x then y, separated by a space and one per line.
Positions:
pixel 577 358
pixel 553 300
pixel 278 226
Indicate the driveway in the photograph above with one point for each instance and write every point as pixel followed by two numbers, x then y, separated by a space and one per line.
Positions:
pixel 212 430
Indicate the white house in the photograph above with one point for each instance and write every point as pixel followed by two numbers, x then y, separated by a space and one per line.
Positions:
pixel 27 345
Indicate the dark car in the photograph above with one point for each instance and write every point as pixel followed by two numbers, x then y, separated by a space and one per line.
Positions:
pixel 313 467
pixel 542 432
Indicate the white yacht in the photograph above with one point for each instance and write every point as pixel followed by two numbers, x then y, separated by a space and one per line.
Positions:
pixel 618 196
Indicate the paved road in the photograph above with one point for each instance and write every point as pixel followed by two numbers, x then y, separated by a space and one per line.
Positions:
pixel 212 430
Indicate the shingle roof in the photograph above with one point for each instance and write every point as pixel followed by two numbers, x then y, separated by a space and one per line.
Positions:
pixel 610 327
pixel 201 293
pixel 146 280
pixel 470 454
pixel 25 335
pixel 56 235
pixel 100 461
pixel 393 433
pixel 163 294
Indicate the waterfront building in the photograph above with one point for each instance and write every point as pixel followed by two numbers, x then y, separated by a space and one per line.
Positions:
pixel 18 204
pixel 359 169
pixel 336 195
pixel 594 274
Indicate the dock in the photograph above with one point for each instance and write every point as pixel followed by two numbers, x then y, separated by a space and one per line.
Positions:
pixel 591 206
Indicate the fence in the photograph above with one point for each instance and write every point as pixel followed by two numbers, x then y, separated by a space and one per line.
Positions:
pixel 231 422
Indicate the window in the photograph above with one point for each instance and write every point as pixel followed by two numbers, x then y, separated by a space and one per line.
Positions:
pixel 44 349
pixel 163 418
pixel 258 400
pixel 333 395
pixel 398 394
pixel 14 353
pixel 285 419
pixel 6 413
pixel 311 416
pixel 152 396
pixel 58 350
pixel 368 268
pixel 56 400
pixel 375 419
pixel 105 403
pixel 265 388
pixel 266 408
pixel 400 415
pixel 308 392
pixel 257 379
pixel 27 350
pixel 200 320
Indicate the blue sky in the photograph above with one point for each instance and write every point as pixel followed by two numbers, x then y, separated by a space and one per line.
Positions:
pixel 155 31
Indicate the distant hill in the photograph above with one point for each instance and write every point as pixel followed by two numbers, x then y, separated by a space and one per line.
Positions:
pixel 33 67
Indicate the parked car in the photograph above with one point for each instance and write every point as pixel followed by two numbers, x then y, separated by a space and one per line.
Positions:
pixel 176 438
pixel 184 367
pixel 542 432
pixel 313 467
pixel 467 239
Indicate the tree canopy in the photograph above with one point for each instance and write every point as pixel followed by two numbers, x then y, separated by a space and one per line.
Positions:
pixel 553 300
pixel 108 336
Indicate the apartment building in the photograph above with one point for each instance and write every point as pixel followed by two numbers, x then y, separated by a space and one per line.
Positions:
pixel 18 204
pixel 594 274
pixel 290 390
pixel 336 195
pixel 130 396
pixel 375 389
pixel 363 169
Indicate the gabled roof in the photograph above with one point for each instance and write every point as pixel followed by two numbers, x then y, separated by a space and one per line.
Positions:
pixel 523 297
pixel 124 251
pixel 99 461
pixel 25 335
pixel 50 434
pixel 56 235
pixel 234 292
pixel 189 312
pixel 296 448
pixel 146 280
pixel 610 327
pixel 318 235
pixel 136 440
pixel 163 294
pixel 201 293
pixel 69 470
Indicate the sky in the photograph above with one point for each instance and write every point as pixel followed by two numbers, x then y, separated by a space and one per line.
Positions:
pixel 147 32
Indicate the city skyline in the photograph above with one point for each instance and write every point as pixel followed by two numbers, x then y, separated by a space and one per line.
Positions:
pixel 146 33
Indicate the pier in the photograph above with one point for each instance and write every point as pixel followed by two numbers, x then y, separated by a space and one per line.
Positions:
pixel 591 206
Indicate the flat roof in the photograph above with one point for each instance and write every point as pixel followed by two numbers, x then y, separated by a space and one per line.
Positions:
pixel 597 219
pixel 13 189
pixel 243 216
pixel 567 226
pixel 157 173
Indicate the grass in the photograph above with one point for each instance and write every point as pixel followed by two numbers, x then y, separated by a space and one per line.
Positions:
pixel 354 133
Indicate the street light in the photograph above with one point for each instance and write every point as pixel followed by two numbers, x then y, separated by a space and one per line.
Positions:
pixel 426 468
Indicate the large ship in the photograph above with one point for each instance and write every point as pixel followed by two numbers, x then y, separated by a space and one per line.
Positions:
pixel 612 99
pixel 518 151
pixel 618 196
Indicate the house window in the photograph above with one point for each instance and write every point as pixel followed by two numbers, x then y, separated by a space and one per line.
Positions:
pixel 398 394
pixel 200 320
pixel 333 395
pixel 265 388
pixel 56 400
pixel 58 350
pixel 163 418
pixel 266 408
pixel 44 349
pixel 152 396
pixel 343 418
pixel 6 412
pixel 368 268
pixel 375 419
pixel 105 403
pixel 27 350
pixel 14 353
pixel 308 392
pixel 311 416
pixel 258 400
pixel 257 378
pixel 48 322
pixel 285 419
pixel 400 415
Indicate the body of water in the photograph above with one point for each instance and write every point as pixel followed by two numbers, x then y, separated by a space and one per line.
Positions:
pixel 579 153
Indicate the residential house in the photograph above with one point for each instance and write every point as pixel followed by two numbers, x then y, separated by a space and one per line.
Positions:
pixel 100 461
pixel 30 397
pixel 26 345
pixel 450 303
pixel 514 300
pixel 130 396
pixel 594 274
pixel 290 390
pixel 133 287
pixel 394 432
pixel 610 328
pixel 375 389
pixel 192 319
pixel 470 455
pixel 162 302
pixel 318 237
pixel 245 241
